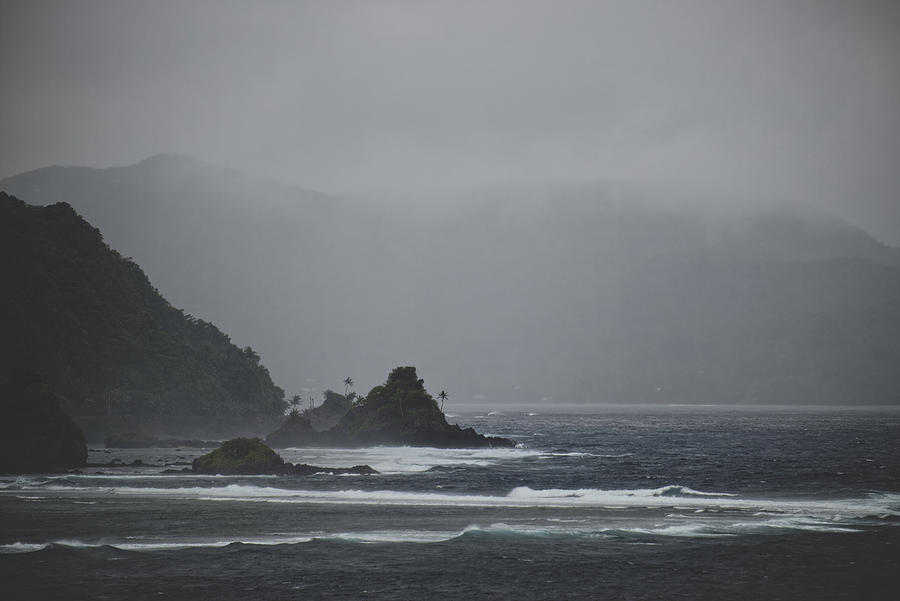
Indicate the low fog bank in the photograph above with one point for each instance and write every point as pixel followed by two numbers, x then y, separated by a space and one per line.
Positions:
pixel 612 292
pixel 795 99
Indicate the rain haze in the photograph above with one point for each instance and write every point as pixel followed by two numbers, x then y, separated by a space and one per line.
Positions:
pixel 441 140
pixel 465 300
pixel 796 100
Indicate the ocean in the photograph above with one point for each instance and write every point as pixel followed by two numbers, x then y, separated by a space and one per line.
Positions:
pixel 619 503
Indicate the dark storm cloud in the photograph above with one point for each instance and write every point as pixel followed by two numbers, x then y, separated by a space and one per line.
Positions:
pixel 790 99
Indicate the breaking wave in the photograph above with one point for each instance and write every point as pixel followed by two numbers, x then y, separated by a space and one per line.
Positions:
pixel 550 528
pixel 672 496
pixel 406 460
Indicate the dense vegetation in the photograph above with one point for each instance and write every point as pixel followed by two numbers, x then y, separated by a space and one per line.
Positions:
pixel 240 456
pixel 35 434
pixel 303 427
pixel 107 341
pixel 325 416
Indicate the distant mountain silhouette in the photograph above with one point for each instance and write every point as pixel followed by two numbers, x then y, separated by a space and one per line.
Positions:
pixel 89 320
pixel 599 292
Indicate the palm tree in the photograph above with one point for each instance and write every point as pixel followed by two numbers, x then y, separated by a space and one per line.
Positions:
pixel 443 396
pixel 295 402
pixel 348 384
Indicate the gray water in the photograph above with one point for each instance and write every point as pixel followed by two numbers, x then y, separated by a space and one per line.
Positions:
pixel 647 503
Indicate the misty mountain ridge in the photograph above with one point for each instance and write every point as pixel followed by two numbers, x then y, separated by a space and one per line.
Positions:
pixel 771 229
pixel 613 292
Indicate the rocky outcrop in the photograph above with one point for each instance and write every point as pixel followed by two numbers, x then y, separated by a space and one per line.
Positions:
pixel 239 456
pixel 329 413
pixel 399 412
pixel 295 431
pixel 304 469
pixel 36 435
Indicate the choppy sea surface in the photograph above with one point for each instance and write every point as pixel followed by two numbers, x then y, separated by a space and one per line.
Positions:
pixel 640 503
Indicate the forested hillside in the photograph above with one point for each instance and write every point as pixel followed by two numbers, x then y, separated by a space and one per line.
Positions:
pixel 88 319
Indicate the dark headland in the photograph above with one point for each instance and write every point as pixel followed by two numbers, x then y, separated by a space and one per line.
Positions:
pixel 111 347
pixel 96 352
pixel 36 435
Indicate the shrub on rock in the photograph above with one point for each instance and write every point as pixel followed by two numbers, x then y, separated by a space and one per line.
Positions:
pixel 240 456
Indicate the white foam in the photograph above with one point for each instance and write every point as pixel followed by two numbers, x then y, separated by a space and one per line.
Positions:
pixel 395 536
pixel 676 530
pixel 130 544
pixel 22 547
pixel 403 460
pixel 798 523
pixel 151 476
pixel 22 482
pixel 664 497
pixel 169 546
pixel 678 526
pixel 151 545
pixel 616 495
pixel 676 497
pixel 682 497
pixel 78 544
pixel 162 546
pixel 598 530
pixel 568 454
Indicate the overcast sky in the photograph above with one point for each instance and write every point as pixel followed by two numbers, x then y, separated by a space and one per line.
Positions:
pixel 795 99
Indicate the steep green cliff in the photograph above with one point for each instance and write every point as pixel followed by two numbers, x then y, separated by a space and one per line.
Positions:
pixel 107 341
